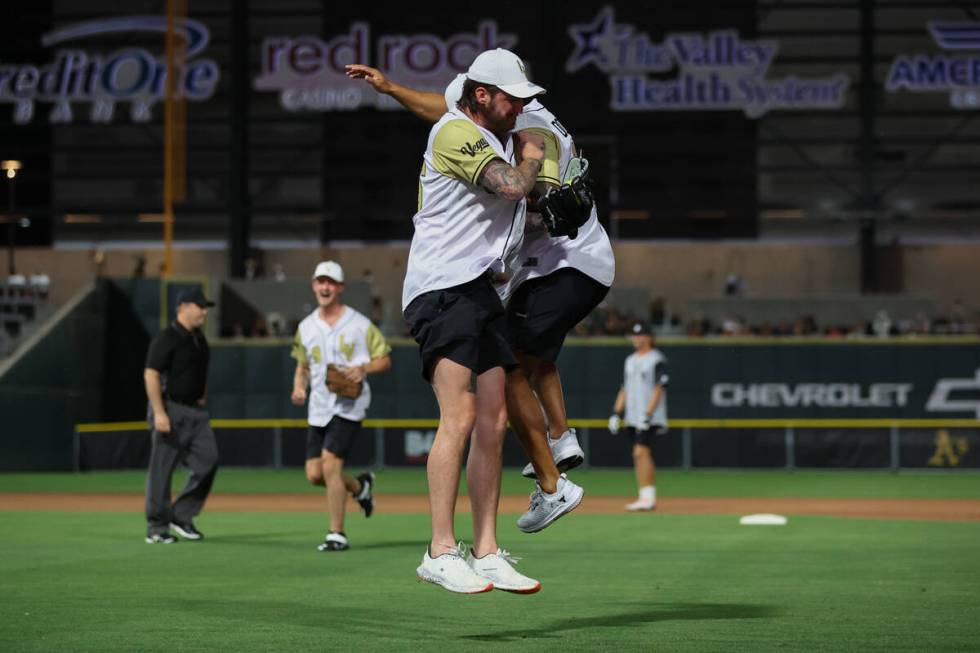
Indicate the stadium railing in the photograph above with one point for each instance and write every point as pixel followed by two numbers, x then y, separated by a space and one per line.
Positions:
pixel 770 443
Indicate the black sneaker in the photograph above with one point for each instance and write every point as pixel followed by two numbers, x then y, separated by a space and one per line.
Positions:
pixel 334 542
pixel 365 496
pixel 186 530
pixel 160 538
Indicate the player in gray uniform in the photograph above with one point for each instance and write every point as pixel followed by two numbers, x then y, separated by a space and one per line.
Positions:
pixel 640 410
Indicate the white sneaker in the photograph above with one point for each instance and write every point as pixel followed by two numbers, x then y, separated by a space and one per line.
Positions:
pixel 451 571
pixel 546 508
pixel 641 504
pixel 496 568
pixel 565 451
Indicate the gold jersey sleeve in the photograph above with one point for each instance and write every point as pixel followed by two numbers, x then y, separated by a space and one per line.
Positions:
pixel 460 151
pixel 298 351
pixel 377 346
pixel 550 172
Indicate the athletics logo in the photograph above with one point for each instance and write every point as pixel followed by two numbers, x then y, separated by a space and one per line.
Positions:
pixel 940 401
pixel 129 74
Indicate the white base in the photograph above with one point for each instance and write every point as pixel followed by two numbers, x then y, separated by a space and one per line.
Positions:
pixel 763 519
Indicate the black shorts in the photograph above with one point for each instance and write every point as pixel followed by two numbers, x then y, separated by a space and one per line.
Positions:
pixel 644 437
pixel 543 310
pixel 337 437
pixel 465 324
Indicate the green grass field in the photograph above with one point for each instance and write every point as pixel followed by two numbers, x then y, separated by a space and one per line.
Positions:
pixel 87 582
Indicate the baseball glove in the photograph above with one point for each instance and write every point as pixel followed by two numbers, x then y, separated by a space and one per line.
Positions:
pixel 340 385
pixel 566 208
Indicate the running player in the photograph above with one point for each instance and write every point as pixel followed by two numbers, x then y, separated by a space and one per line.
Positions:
pixel 336 335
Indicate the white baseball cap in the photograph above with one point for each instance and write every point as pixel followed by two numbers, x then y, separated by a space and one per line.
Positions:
pixel 454 91
pixel 330 269
pixel 505 70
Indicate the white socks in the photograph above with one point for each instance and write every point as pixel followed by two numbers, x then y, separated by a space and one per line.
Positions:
pixel 648 493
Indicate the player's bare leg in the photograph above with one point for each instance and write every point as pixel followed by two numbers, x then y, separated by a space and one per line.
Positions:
pixel 336 489
pixel 457 414
pixel 645 474
pixel 644 466
pixel 547 383
pixel 528 422
pixel 563 442
pixel 483 467
pixel 314 472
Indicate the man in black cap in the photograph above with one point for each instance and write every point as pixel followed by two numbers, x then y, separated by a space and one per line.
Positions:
pixel 176 385
pixel 641 409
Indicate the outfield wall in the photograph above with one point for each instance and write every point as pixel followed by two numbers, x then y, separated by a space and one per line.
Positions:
pixel 796 402
pixel 750 403
pixel 927 378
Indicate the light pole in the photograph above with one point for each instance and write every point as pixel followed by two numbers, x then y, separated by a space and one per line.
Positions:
pixel 11 166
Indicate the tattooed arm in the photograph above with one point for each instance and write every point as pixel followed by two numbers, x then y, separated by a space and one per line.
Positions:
pixel 511 182
pixel 514 182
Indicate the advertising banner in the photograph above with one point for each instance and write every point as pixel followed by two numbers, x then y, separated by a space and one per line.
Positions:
pixel 770 380
pixel 88 68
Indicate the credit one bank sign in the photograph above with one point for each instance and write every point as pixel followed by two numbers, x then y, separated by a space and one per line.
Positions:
pixel 131 75
pixel 308 72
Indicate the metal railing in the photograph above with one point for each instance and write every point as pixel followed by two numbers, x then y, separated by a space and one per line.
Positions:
pixel 687 429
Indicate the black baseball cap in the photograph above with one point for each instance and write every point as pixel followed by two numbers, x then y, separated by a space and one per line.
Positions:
pixel 193 296
pixel 641 329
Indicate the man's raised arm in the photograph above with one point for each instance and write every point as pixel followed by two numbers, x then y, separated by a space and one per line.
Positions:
pixel 427 106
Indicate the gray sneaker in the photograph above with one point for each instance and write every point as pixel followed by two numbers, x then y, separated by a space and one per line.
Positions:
pixel 566 452
pixel 546 508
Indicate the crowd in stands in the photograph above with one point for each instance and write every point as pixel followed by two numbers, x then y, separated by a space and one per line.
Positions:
pixel 607 320
pixel 20 297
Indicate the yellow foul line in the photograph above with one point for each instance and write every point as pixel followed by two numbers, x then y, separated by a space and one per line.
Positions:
pixel 111 427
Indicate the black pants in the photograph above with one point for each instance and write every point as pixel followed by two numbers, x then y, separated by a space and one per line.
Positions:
pixel 192 441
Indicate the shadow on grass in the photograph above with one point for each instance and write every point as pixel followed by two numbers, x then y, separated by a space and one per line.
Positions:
pixel 279 538
pixel 655 613
pixel 398 544
pixel 254 538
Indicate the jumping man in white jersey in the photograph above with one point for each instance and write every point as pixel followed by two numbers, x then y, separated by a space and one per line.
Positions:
pixel 558 282
pixel 641 410
pixel 335 349
pixel 469 224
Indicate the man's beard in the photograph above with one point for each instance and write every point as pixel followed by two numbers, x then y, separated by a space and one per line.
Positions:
pixel 498 125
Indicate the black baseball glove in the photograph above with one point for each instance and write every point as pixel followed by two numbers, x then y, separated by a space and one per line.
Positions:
pixel 568 207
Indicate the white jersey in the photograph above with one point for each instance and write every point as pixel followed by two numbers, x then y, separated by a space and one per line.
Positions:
pixel 590 252
pixel 461 230
pixel 642 373
pixel 353 340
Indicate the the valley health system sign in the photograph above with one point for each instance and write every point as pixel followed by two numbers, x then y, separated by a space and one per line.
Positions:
pixel 131 75
pixel 953 71
pixel 309 73
pixel 717 71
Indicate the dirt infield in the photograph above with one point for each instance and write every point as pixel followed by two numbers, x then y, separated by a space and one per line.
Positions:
pixel 917 509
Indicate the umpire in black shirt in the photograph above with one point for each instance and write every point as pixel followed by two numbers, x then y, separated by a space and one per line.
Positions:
pixel 176 378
